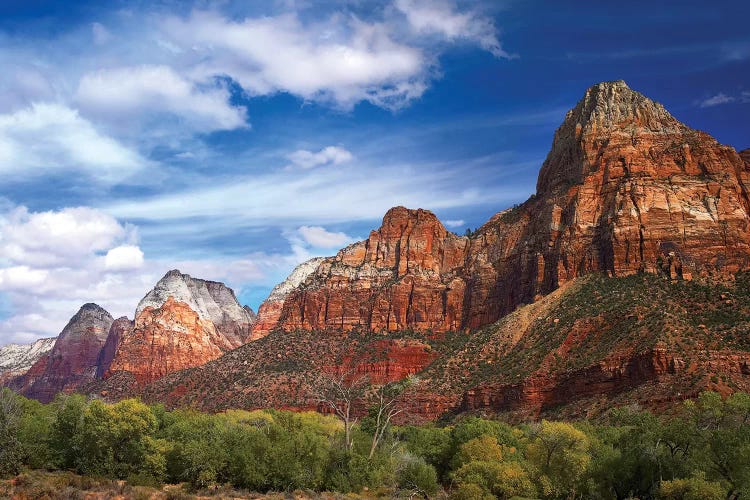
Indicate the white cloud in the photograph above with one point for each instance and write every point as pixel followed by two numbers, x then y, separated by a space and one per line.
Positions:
pixel 124 257
pixel 49 137
pixel 52 262
pixel 440 17
pixel 720 98
pixel 455 223
pixel 745 96
pixel 342 61
pixel 147 89
pixel 319 237
pixel 21 277
pixel 331 155
pixel 48 239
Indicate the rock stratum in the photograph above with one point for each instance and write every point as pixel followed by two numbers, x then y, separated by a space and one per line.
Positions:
pixel 181 323
pixel 626 188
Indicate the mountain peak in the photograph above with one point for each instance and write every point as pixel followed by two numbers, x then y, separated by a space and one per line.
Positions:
pixel 609 113
pixel 614 104
pixel 211 300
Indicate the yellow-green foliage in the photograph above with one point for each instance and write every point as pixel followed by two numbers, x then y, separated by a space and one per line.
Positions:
pixel 702 451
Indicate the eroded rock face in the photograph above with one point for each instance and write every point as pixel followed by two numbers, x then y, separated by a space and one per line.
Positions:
pixel 213 301
pixel 120 328
pixel 625 188
pixel 270 310
pixel 73 360
pixel 183 322
pixel 405 275
pixel 17 359
pixel 164 340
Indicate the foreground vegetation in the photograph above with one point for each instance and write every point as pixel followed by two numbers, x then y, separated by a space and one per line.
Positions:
pixel 703 451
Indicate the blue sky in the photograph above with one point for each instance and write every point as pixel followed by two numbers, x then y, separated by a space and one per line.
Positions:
pixel 233 140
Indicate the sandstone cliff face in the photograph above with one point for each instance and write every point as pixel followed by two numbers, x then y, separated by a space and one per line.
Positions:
pixel 183 322
pixel 270 310
pixel 625 188
pixel 211 300
pixel 73 360
pixel 119 329
pixel 166 339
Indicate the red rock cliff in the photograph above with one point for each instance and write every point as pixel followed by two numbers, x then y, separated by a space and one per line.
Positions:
pixel 166 339
pixel 625 188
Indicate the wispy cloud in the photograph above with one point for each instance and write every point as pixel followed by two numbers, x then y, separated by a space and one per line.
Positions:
pixel 716 100
pixel 363 193
pixel 442 17
pixel 136 91
pixel 331 155
pixel 454 223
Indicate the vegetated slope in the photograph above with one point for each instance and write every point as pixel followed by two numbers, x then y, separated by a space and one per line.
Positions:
pixel 639 339
pixel 595 342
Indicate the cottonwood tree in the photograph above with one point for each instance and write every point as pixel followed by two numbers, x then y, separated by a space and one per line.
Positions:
pixel 338 392
pixel 382 413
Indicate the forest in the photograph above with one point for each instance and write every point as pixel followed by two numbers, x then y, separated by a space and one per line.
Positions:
pixel 701 450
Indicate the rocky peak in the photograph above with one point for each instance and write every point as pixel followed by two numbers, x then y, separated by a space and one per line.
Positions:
pixel 162 340
pixel 270 309
pixel 211 300
pixel 609 105
pixel 608 113
pixel 745 155
pixel 91 320
pixel 73 360
pixel 408 241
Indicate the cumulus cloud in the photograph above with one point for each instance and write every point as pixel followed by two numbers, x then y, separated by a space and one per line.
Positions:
pixel 52 262
pixel 50 137
pixel 148 89
pixel 716 100
pixel 331 155
pixel 455 223
pixel 342 60
pixel 443 19
pixel 123 258
pixel 319 237
pixel 53 238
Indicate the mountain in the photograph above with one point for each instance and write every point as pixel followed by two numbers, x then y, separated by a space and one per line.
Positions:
pixel 211 300
pixel 625 188
pixel 17 359
pixel 73 359
pixel 620 280
pixel 182 322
